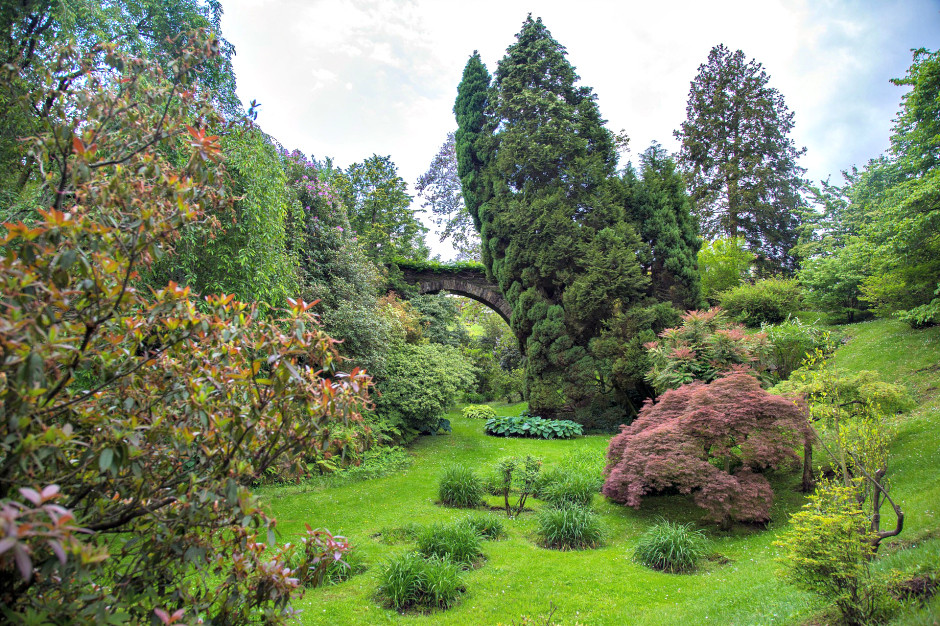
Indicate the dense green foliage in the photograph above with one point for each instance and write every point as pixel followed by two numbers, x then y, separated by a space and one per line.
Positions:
pixel 671 547
pixel 423 381
pixel 766 301
pixel 245 250
pixel 158 30
pixel 791 341
pixel 134 418
pixel 470 151
pixel 660 206
pixel 873 241
pixel 739 158
pixel 460 487
pixel 532 426
pixel 377 201
pixel 723 264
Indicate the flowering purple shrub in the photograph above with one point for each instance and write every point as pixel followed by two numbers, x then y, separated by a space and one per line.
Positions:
pixel 711 441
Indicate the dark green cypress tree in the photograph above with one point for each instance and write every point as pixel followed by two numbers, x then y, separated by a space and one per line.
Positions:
pixel 663 213
pixel 470 109
pixel 554 237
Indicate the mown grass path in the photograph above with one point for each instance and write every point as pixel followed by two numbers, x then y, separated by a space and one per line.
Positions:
pixel 605 586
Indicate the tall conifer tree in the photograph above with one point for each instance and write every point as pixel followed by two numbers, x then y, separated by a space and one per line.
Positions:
pixel 740 161
pixel 663 213
pixel 470 109
pixel 553 236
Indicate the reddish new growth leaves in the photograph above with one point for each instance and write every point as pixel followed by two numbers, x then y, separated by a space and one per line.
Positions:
pixel 711 441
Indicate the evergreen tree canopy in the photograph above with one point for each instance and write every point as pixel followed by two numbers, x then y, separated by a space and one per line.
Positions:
pixel 740 162
pixel 470 110
pixel 661 208
pixel 541 165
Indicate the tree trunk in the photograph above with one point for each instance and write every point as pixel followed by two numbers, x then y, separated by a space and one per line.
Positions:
pixel 808 482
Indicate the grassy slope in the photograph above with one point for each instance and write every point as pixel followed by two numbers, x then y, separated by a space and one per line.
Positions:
pixel 604 586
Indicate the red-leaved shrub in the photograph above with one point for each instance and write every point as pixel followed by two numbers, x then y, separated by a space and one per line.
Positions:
pixel 712 441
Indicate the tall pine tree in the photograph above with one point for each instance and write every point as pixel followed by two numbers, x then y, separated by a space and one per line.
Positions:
pixel 740 162
pixel 554 237
pixel 657 202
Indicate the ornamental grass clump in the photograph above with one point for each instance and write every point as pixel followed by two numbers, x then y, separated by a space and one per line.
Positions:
pixel 569 527
pixel 486 525
pixel 577 489
pixel 460 487
pixel 410 581
pixel 457 542
pixel 671 547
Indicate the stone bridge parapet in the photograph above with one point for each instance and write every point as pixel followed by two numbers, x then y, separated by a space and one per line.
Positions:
pixel 468 282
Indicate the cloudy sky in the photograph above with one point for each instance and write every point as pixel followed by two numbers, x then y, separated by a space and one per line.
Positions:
pixel 349 78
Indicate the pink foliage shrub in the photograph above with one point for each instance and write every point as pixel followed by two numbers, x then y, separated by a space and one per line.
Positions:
pixel 706 346
pixel 710 440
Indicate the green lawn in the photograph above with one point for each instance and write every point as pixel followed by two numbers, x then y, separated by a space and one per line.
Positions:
pixel 604 586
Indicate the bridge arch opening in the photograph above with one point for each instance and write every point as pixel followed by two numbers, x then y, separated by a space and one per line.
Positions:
pixel 469 283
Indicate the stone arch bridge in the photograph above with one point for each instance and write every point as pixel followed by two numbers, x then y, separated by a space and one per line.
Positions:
pixel 463 279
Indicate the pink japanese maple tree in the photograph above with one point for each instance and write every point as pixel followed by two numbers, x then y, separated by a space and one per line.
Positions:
pixel 710 440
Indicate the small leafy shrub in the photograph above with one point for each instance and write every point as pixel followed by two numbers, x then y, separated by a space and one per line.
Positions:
pixel 854 391
pixel 409 581
pixel 479 411
pixel 518 474
pixel 712 441
pixel 706 346
pixel 768 301
pixel 422 383
pixel 828 551
pixel 671 547
pixel 532 426
pixel 577 489
pixel 460 487
pixel 312 570
pixel 458 542
pixel 792 340
pixel 569 528
pixel 487 525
